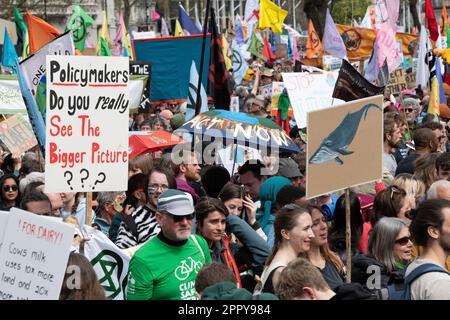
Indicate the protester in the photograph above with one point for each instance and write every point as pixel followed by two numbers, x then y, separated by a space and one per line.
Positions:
pixel 392 137
pixel 439 190
pixel 443 166
pixel 37 202
pixel 415 189
pixel 291 194
pixel 252 175
pixel 392 202
pixel 165 267
pixel 430 229
pixel 140 164
pixel 109 205
pixel 425 168
pixel 288 168
pixel 10 195
pixel 214 179
pixel 187 171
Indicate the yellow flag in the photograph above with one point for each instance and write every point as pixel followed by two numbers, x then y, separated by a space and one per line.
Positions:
pixel 271 16
pixel 104 33
pixel 434 103
pixel 226 57
pixel 26 47
pixel 314 46
pixel 178 29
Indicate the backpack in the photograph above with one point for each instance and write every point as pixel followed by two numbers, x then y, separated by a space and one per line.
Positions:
pixel 402 291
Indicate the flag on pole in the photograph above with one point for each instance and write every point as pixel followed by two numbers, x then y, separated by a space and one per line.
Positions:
pixel 26 47
pixel 104 33
pixel 21 27
pixel 431 20
pixel 313 44
pixel 155 16
pixel 9 55
pixel 271 16
pixel 225 53
pixel 192 95
pixel 393 8
pixel 442 99
pixel 178 29
pixel 79 22
pixel 186 22
pixel 434 104
pixel 332 40
pixel 39 32
pixel 240 66
pixel 444 18
pixel 423 71
pixel 447 31
pixel 104 48
pixel 164 29
pixel 267 50
pixel 257 45
pixel 387 47
pixel 239 33
pixel 371 69
pixel 122 43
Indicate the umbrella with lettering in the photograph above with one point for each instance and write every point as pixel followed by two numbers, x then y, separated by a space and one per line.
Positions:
pixel 240 128
pixel 150 141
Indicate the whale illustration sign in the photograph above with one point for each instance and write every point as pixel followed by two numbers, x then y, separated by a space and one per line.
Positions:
pixel 344 146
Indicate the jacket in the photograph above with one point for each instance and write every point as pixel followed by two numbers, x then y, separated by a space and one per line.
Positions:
pixel 229 291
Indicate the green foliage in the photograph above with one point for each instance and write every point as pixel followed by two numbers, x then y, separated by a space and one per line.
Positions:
pixel 346 10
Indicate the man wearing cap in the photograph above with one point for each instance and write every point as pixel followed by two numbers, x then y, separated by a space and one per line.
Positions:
pixel 288 168
pixel 165 268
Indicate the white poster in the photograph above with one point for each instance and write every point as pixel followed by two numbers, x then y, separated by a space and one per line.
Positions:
pixel 34 256
pixel 309 92
pixel 87 124
pixel 4 216
pixel 11 101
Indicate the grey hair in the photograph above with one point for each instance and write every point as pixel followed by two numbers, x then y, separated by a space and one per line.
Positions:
pixel 382 240
pixel 104 197
pixel 411 102
pixel 436 188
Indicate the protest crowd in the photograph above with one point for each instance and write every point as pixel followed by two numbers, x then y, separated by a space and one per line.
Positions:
pixel 283 177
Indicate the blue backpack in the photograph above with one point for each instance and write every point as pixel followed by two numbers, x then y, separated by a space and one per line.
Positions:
pixel 402 291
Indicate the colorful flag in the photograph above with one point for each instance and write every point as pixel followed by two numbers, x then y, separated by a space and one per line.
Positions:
pixel 423 71
pixel 21 27
pixel 444 18
pixel 442 99
pixel 271 16
pixel 332 40
pixel 431 20
pixel 186 22
pixel 104 33
pixel 447 31
pixel 392 7
pixel 313 44
pixel 239 34
pixel 9 54
pixel 26 47
pixel 39 32
pixel 251 16
pixel 372 69
pixel 164 29
pixel 240 66
pixel 122 43
pixel 218 74
pixel 256 45
pixel 267 50
pixel 104 48
pixel 383 75
pixel 295 52
pixel 155 16
pixel 387 47
pixel 225 53
pixel 178 29
pixel 351 85
pixel 434 104
pixel 79 22
pixel 192 95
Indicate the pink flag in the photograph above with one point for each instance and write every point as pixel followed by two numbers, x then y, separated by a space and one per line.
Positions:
pixel 155 16
pixel 295 53
pixel 387 47
pixel 117 49
pixel 393 7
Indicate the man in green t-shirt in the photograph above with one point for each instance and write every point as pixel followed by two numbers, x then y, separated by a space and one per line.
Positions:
pixel 165 268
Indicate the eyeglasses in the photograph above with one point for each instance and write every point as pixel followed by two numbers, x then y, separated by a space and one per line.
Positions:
pixel 181 218
pixel 409 110
pixel 403 241
pixel 10 188
pixel 152 188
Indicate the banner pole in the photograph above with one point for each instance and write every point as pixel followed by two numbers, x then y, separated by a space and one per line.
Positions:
pixel 88 208
pixel 202 58
pixel 348 236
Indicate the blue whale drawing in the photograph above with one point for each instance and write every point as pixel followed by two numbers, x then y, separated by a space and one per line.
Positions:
pixel 337 142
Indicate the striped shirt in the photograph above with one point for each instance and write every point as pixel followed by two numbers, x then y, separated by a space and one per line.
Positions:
pixel 145 226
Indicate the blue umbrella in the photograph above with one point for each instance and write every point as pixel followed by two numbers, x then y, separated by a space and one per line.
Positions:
pixel 240 128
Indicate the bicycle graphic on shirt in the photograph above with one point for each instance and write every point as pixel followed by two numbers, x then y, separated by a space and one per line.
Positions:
pixel 183 271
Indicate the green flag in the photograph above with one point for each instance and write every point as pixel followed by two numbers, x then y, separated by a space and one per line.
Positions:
pixel 21 27
pixel 26 47
pixel 78 23
pixel 447 30
pixel 104 49
pixel 256 45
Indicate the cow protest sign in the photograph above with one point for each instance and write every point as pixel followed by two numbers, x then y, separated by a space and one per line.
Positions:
pixel 33 257
pixel 397 83
pixel 11 101
pixel 345 146
pixel 16 133
pixel 310 91
pixel 87 124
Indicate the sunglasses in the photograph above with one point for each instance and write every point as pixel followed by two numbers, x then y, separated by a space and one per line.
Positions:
pixel 181 218
pixel 10 188
pixel 409 109
pixel 403 241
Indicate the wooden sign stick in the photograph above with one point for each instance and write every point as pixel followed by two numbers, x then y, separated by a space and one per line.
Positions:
pixel 348 236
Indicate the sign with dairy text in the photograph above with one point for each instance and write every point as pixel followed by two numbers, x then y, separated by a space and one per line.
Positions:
pixel 33 257
pixel 87 124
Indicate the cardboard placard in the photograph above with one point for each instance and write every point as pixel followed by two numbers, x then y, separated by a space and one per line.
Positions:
pixel 16 133
pixel 11 101
pixel 87 124
pixel 397 83
pixel 345 146
pixel 33 257
pixel 309 92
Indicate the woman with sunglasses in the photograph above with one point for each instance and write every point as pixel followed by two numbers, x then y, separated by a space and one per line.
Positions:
pixel 389 253
pixel 248 256
pixel 10 197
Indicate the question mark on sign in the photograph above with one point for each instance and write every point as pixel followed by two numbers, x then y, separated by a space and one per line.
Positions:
pixel 70 179
pixel 84 178
pixel 99 181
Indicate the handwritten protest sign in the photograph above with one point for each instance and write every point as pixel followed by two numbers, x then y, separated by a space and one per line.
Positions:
pixel 345 146
pixel 397 83
pixel 11 101
pixel 16 133
pixel 33 258
pixel 410 80
pixel 277 89
pixel 309 92
pixel 87 124
pixel 265 90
